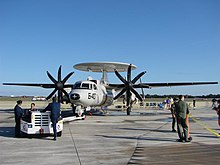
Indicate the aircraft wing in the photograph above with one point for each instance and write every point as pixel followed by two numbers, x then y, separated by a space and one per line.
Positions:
pixel 156 85
pixel 38 85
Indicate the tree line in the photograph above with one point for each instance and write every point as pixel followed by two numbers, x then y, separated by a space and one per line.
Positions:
pixel 188 96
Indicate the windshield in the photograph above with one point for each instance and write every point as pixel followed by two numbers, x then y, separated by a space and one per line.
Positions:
pixel 79 85
pixel 85 86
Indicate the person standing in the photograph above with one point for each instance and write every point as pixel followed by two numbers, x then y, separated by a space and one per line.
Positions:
pixel 29 112
pixel 54 108
pixel 18 111
pixel 214 104
pixel 194 104
pixel 182 110
pixel 173 111
pixel 32 107
pixel 217 109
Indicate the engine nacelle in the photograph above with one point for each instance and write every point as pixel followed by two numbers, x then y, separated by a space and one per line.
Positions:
pixel 108 99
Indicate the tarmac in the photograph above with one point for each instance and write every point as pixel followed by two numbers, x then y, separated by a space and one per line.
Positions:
pixel 144 137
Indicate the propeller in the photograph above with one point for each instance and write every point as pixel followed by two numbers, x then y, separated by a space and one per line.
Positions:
pixel 59 85
pixel 129 85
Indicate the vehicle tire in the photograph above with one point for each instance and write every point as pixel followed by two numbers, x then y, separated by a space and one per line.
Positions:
pixel 24 135
pixel 84 116
pixel 59 134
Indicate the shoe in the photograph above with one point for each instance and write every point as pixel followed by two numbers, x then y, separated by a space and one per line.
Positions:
pixel 188 140
pixel 54 139
pixel 179 140
pixel 173 130
pixel 17 136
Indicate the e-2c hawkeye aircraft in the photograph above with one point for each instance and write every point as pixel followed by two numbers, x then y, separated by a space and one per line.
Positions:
pixel 93 93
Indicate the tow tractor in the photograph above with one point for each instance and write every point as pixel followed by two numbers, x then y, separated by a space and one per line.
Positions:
pixel 39 123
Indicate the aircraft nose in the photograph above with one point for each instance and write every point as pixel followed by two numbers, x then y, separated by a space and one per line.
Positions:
pixel 75 96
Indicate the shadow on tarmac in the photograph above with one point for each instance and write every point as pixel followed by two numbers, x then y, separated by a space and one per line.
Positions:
pixel 144 129
pixel 6 111
pixel 137 138
pixel 7 132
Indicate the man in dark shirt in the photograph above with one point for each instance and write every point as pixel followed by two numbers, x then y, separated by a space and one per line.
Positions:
pixel 18 114
pixel 54 108
pixel 182 110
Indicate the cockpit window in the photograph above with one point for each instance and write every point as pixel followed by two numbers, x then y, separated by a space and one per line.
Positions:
pixel 81 85
pixel 85 86
pixel 77 85
pixel 94 87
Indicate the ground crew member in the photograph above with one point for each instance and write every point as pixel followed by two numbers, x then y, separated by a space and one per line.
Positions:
pixel 29 112
pixel 54 108
pixel 173 111
pixel 217 109
pixel 32 107
pixel 18 111
pixel 182 110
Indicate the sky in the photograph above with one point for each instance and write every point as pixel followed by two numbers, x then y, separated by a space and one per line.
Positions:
pixel 174 41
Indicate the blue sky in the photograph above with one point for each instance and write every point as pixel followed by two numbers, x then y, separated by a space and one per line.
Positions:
pixel 174 41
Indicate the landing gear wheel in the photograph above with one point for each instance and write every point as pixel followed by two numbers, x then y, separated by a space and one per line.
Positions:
pixel 74 110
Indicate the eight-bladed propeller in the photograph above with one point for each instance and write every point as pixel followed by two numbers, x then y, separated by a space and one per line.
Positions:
pixel 59 85
pixel 129 85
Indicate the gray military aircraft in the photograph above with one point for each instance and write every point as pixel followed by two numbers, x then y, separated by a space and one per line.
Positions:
pixel 92 93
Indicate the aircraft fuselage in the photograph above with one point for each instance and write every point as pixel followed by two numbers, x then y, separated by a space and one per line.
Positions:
pixel 90 93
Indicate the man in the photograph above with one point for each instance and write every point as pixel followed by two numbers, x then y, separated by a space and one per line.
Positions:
pixel 182 110
pixel 54 108
pixel 173 112
pixel 217 109
pixel 29 112
pixel 32 107
pixel 18 114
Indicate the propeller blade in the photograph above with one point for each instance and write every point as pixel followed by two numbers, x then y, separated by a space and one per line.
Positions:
pixel 120 93
pixel 120 77
pixel 138 77
pixel 67 77
pixel 51 78
pixel 142 90
pixel 136 94
pixel 128 94
pixel 59 74
pixel 60 96
pixel 129 73
pixel 51 94
pixel 141 85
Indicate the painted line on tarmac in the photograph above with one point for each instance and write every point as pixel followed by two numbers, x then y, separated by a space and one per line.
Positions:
pixel 206 127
